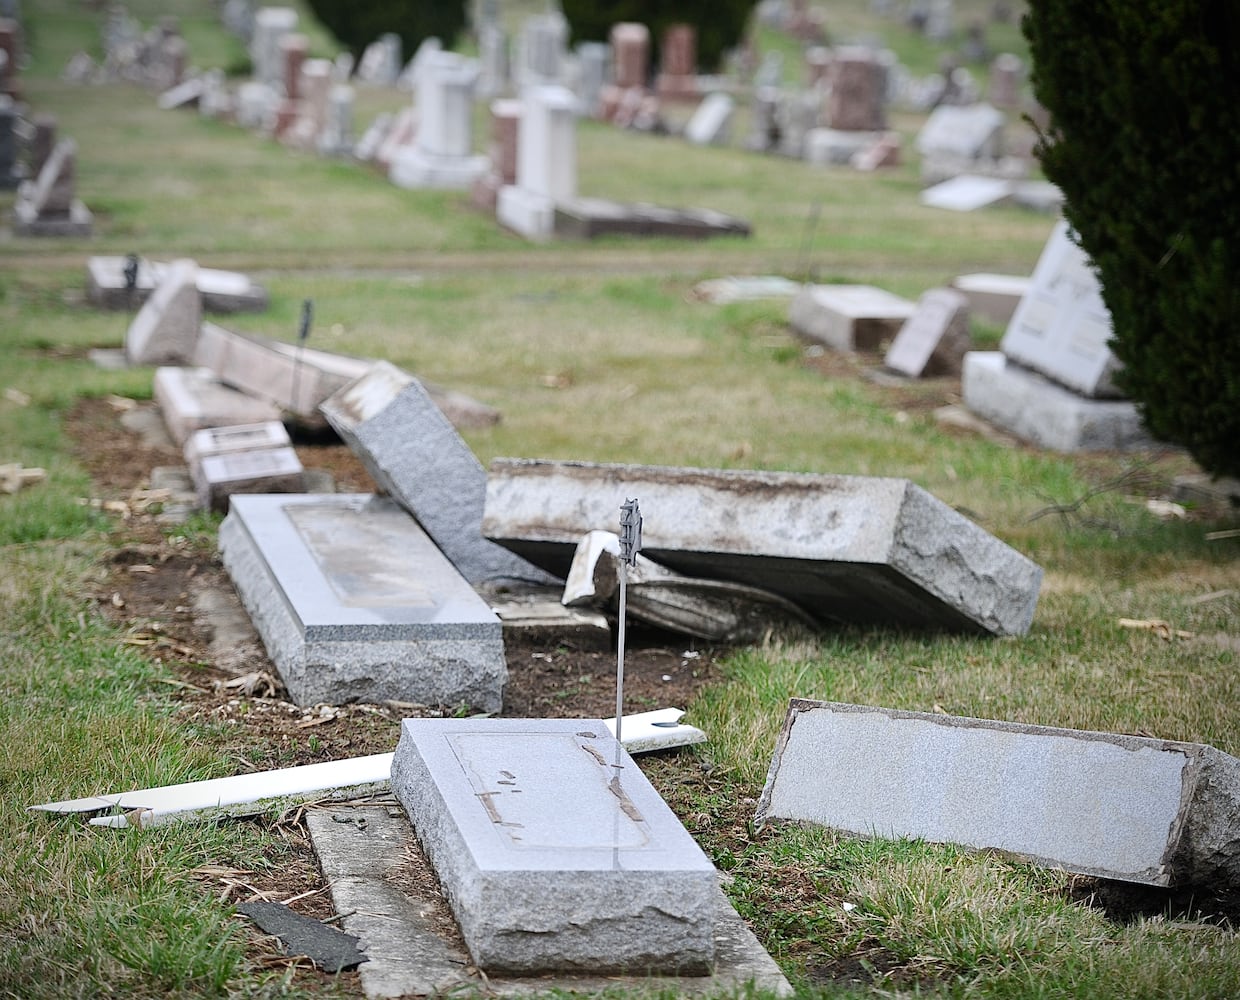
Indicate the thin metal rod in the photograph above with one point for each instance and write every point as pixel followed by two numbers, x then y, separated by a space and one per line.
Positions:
pixel 624 574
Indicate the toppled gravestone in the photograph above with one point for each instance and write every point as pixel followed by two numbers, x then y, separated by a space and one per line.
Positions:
pixel 165 331
pixel 108 286
pixel 856 549
pixel 1158 812
pixel 354 602
pixel 414 453
pixel 554 851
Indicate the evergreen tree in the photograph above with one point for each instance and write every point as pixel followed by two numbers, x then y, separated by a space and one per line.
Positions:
pixel 357 23
pixel 1144 97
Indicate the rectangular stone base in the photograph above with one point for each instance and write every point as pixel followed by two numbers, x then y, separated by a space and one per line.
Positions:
pixel 586 218
pixel 827 146
pixel 78 221
pixel 1037 410
pixel 525 213
pixel 354 603
pixel 412 168
pixel 217 478
pixel 553 849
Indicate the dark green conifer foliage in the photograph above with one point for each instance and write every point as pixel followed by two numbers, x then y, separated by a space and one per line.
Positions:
pixel 1144 97
pixel 720 23
pixel 357 23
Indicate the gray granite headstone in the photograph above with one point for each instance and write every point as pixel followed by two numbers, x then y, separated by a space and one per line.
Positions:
pixel 10 170
pixel 554 851
pixel 1062 327
pixel 934 340
pixel 844 548
pixel 165 331
pixel 1144 810
pixel 415 454
pixel 848 317
pixel 193 398
pixel 354 602
pixel 261 470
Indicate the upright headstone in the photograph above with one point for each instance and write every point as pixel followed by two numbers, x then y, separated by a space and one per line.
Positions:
pixel 593 72
pixel 844 548
pixel 294 48
pixel 270 25
pixel 763 120
pixel 314 86
pixel 541 50
pixel 630 54
pixel 442 153
pixel 42 143
pixel 502 153
pixel 381 61
pixel 493 59
pixel 165 330
pixel 415 454
pixel 546 163
pixel 1151 811
pixel 677 80
pixel 935 339
pixel 336 137
pixel 10 62
pixel 858 92
pixel 1062 327
pixel 1006 77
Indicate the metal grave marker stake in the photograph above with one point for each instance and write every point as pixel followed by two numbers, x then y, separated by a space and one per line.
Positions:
pixel 630 545
pixel 303 334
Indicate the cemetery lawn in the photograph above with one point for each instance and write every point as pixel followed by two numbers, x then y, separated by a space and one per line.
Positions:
pixel 112 675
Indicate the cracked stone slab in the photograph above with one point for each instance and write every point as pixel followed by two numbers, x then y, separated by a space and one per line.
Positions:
pixel 601 880
pixel 1158 812
pixel 850 549
pixel 368 855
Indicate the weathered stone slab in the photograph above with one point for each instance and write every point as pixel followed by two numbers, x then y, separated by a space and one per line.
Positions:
pixel 1062 327
pixel 264 470
pixel 221 291
pixel 193 398
pixel 586 218
pixel 1044 413
pixel 413 452
pixel 46 206
pixel 967 132
pixel 844 548
pixel 411 954
pixel 354 602
pixel 992 297
pixel 295 378
pixel 602 880
pixel 228 440
pixel 848 317
pixel 165 331
pixel 935 339
pixel 967 193
pixel 1144 810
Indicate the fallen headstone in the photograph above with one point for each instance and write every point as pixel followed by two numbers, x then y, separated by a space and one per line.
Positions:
pixel 217 478
pixel 415 454
pixel 848 317
pixel 745 288
pixel 845 549
pixel 709 124
pixel 967 193
pixel 294 377
pixel 165 331
pixel 221 291
pixel 935 339
pixel 354 602
pixel 191 399
pixel 602 880
pixel 972 132
pixel 717 610
pixel 1152 811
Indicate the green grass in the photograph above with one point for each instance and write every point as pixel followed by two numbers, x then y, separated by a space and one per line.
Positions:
pixel 593 352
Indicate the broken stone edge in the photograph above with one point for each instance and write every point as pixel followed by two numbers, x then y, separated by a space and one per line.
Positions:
pixel 1209 812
